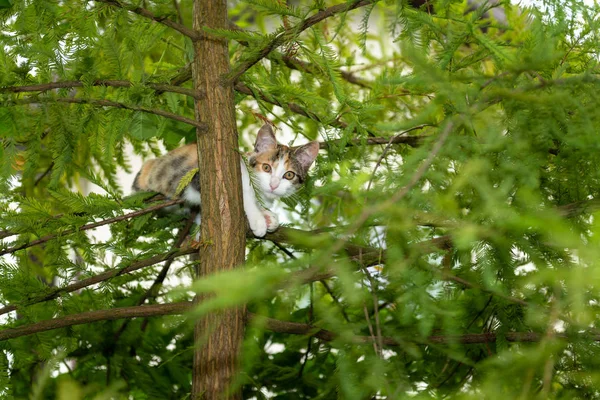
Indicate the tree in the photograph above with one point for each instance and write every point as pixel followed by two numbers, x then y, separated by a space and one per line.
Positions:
pixel 446 244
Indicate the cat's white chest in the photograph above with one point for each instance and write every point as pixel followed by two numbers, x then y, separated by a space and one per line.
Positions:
pixel 191 195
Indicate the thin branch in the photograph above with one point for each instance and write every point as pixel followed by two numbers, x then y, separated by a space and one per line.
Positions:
pixel 284 250
pixel 575 209
pixel 105 276
pixel 291 62
pixel 109 103
pixel 373 285
pixel 374 340
pixel 259 95
pixel 43 175
pixel 335 299
pixel 153 290
pixel 423 167
pixel 412 141
pixel 416 177
pixel 43 87
pixel 284 36
pixel 178 10
pixel 449 277
pixel 184 75
pixel 471 338
pixel 271 324
pixel 95 316
pixel 385 151
pixel 305 276
pixel 161 20
pixel 297 64
pixel 91 226
pixel 160 278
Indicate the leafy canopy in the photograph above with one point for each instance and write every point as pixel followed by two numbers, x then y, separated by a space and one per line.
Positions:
pixel 446 244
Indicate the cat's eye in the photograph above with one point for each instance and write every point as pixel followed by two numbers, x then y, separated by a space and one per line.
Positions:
pixel 266 167
pixel 289 175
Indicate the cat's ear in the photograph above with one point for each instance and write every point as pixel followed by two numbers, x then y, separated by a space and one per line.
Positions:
pixel 265 140
pixel 306 154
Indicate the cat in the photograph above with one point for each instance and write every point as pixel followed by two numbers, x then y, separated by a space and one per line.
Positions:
pixel 278 171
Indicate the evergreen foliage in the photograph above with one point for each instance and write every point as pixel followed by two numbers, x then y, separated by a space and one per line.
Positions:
pixel 446 244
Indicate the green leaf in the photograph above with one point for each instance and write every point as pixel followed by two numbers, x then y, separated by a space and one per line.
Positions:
pixel 143 126
pixel 185 180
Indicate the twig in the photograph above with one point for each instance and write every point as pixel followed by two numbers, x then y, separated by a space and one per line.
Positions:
pixel 286 34
pixel 313 274
pixel 362 218
pixel 297 64
pixel 160 278
pixel 284 250
pixel 310 321
pixel 46 172
pixel 114 104
pixel 178 10
pixel 375 310
pixel 449 277
pixel 151 292
pixel 43 87
pixel 91 226
pixel 383 154
pixel 58 292
pixel 161 20
pixel 269 323
pixel 399 138
pixel 303 364
pixel 95 316
pixel 335 298
pixel 549 364
pixel 374 340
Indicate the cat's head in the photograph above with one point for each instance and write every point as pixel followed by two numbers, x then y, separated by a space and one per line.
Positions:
pixel 280 170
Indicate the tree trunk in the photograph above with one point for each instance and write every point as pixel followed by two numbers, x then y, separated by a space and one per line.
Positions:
pixel 218 336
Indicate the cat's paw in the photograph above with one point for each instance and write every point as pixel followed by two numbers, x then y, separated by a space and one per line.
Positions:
pixel 258 225
pixel 272 221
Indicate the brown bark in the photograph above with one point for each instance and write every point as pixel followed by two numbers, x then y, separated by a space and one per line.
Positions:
pixel 273 325
pixel 218 335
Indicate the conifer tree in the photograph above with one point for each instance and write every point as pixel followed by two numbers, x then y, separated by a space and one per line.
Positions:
pixel 445 245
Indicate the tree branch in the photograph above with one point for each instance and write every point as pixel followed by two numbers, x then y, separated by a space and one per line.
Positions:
pixel 260 95
pixel 95 316
pixel 274 325
pixel 109 103
pixel 161 20
pixel 58 292
pixel 362 218
pixel 43 87
pixel 309 275
pixel 297 64
pixel 284 36
pixel 368 256
pixel 152 292
pixel 412 141
pixel 91 226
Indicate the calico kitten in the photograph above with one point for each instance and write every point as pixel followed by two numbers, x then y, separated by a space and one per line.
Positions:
pixel 278 170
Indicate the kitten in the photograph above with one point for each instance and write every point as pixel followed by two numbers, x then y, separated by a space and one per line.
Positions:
pixel 278 170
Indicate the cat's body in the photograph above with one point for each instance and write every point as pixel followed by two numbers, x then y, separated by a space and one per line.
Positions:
pixel 279 171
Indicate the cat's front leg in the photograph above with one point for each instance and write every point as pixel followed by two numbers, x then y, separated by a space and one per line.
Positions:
pixel 257 221
pixel 272 221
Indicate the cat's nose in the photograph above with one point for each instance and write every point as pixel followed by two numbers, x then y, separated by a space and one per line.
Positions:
pixel 274 183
